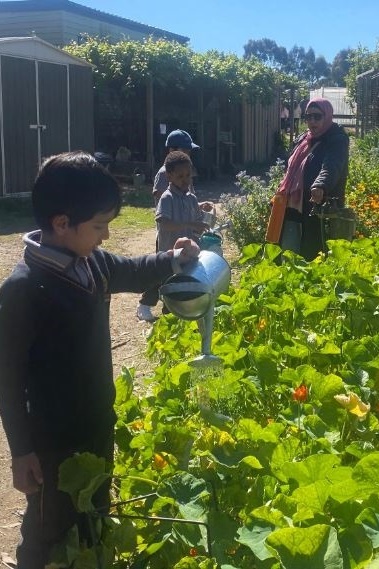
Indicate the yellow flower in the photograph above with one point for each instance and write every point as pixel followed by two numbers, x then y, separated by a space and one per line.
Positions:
pixel 354 405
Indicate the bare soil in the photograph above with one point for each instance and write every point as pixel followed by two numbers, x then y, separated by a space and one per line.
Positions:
pixel 128 347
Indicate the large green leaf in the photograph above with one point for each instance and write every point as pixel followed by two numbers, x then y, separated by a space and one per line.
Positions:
pixel 254 537
pixel 365 474
pixel 314 467
pixel 313 496
pixel 327 386
pixel 283 453
pixel 81 476
pixel 316 547
pixel 266 363
pixel 356 547
pixel 309 304
pixel 369 519
pixel 270 515
pixel 184 488
pixel 248 429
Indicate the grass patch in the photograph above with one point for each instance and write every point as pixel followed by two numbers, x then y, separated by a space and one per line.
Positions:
pixel 137 213
pixel 134 218
pixel 16 215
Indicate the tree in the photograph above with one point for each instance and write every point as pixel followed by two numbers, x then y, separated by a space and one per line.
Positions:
pixel 298 62
pixel 361 60
pixel 340 67
pixel 267 51
pixel 306 66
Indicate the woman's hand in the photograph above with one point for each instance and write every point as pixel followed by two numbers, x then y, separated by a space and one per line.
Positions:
pixel 317 195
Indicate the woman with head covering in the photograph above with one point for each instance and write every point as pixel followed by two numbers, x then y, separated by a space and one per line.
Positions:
pixel 317 170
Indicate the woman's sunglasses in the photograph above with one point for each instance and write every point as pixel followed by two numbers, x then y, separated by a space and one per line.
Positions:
pixel 315 116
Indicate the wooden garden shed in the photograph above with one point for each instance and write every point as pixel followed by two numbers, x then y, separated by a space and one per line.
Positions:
pixel 46 107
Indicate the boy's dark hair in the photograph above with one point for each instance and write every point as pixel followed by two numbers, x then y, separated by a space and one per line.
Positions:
pixel 76 185
pixel 176 158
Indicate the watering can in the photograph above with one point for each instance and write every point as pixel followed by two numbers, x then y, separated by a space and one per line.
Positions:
pixel 191 295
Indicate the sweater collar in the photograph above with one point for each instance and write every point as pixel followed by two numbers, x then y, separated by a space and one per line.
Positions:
pixel 53 258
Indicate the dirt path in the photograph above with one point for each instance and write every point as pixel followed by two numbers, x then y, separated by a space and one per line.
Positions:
pixel 128 345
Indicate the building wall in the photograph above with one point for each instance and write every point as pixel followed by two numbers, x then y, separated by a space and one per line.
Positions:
pixel 74 26
pixel 338 98
pixel 59 28
pixel 46 25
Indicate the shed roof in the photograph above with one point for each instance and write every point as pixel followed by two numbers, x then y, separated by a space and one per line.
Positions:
pixel 73 7
pixel 37 48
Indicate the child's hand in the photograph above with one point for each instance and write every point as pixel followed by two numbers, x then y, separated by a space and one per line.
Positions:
pixel 27 473
pixel 206 206
pixel 187 250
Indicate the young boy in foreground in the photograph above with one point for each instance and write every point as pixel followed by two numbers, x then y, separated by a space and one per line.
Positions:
pixel 56 379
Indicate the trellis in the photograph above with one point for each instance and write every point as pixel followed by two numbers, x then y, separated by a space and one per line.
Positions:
pixel 367 102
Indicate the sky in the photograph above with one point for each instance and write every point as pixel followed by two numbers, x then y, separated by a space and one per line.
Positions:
pixel 226 25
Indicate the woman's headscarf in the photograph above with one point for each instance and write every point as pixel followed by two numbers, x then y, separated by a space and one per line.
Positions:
pixel 293 181
pixel 326 108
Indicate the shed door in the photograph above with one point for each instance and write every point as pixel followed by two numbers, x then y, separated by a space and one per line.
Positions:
pixel 53 108
pixel 35 119
pixel 19 111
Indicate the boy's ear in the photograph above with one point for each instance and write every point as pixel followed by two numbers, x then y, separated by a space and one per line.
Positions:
pixel 60 224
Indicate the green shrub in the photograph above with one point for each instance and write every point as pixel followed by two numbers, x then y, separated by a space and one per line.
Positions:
pixel 248 210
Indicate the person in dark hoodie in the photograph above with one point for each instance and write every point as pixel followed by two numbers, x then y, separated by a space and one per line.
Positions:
pixel 56 377
pixel 317 171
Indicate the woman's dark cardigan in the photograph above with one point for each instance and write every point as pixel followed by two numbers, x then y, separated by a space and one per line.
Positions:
pixel 327 168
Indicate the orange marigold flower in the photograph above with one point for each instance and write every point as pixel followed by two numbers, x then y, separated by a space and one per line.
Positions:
pixel 300 394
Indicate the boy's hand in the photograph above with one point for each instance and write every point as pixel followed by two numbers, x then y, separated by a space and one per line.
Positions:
pixel 206 206
pixel 189 250
pixel 27 473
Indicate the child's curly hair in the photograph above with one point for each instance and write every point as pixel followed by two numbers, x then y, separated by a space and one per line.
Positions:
pixel 176 158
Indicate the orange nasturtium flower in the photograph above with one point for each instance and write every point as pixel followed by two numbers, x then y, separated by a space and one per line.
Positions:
pixel 300 394
pixel 354 405
pixel 193 552
pixel 262 324
pixel 159 461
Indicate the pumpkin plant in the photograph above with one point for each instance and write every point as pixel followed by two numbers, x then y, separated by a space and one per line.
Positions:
pixel 268 461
